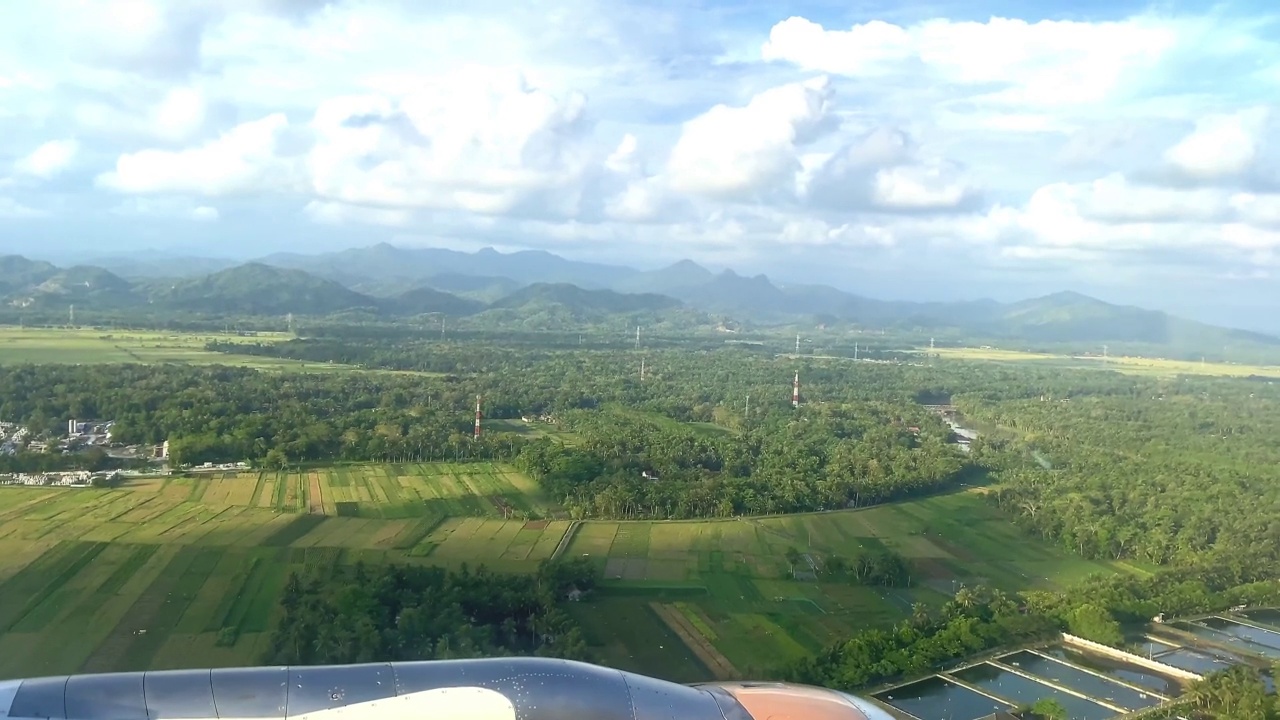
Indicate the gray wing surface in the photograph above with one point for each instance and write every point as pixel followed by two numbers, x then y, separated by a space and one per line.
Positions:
pixel 538 689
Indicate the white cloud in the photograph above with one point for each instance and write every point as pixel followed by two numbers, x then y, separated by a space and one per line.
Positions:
pixel 736 152
pixel 242 159
pixel 1222 146
pixel 642 132
pixel 10 208
pixel 1257 210
pixel 205 213
pixel 884 170
pixel 49 159
pixel 478 141
pixel 1115 199
pixel 335 213
pixel 179 114
pixel 1044 63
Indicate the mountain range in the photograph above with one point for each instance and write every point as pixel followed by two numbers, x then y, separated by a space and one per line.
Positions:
pixel 540 290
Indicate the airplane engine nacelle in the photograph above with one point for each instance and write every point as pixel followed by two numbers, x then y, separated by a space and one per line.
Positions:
pixel 487 689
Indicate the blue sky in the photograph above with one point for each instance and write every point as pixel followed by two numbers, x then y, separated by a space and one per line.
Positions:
pixel 933 150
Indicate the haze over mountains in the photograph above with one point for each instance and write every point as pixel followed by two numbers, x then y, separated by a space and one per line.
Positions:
pixel 540 289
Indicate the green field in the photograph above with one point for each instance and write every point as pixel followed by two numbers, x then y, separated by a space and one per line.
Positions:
pixel 140 576
pixel 192 561
pixel 101 346
pixel 1124 364
pixel 733 573
pixel 384 491
pixel 532 430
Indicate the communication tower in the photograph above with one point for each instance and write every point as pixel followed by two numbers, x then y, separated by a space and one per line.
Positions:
pixel 477 435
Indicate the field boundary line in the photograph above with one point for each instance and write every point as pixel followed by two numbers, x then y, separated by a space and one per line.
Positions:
pixel 567 538
pixel 706 653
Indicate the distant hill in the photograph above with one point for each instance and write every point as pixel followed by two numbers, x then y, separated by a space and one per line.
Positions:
pixel 18 274
pixel 155 264
pixel 258 289
pixel 484 288
pixel 584 303
pixel 28 284
pixel 423 300
pixel 1069 316
pixel 538 290
pixel 388 261
pixel 668 280
pixel 561 306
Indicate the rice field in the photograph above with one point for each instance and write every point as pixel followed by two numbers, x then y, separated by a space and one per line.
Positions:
pixel 140 576
pixel 1162 367
pixel 170 572
pixel 102 346
pixel 382 491
pixel 728 583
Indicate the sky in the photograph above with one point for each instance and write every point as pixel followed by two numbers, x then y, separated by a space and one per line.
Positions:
pixel 930 150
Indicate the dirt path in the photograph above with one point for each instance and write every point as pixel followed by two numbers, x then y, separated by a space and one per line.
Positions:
pixel 717 663
pixel 315 497
pixel 566 539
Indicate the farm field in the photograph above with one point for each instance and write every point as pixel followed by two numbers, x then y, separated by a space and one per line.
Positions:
pixel 729 582
pixel 139 576
pixel 531 429
pixel 1124 364
pixel 386 491
pixel 102 346
pixel 700 428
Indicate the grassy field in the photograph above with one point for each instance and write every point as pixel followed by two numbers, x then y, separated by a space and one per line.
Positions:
pixel 730 583
pixel 384 491
pixel 100 346
pixel 1125 364
pixel 532 430
pixel 140 576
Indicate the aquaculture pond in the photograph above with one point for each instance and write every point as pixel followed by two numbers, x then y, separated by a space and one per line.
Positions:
pixel 1256 635
pixel 938 699
pixel 1265 616
pixel 1081 681
pixel 1127 672
pixel 1229 636
pixel 1017 688
pixel 1200 662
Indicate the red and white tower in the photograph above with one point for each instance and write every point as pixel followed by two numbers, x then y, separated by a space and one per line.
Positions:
pixel 795 391
pixel 477 437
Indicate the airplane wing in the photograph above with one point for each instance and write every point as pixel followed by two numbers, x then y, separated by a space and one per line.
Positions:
pixel 484 689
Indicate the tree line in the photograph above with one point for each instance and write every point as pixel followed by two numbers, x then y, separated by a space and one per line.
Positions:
pixel 334 614
pixel 980 619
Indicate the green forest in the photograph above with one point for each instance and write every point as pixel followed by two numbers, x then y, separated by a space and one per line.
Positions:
pixel 339 614
pixel 1180 473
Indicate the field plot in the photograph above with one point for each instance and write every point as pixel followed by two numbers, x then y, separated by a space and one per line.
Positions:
pixel 163 570
pixel 503 545
pixel 1124 364
pixel 167 572
pixel 90 346
pixel 627 634
pixel 368 491
pixel 532 430
pixel 730 578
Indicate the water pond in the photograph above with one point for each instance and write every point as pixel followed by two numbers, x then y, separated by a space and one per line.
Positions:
pixel 1081 681
pixel 938 699
pixel 1019 689
pixel 1132 674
